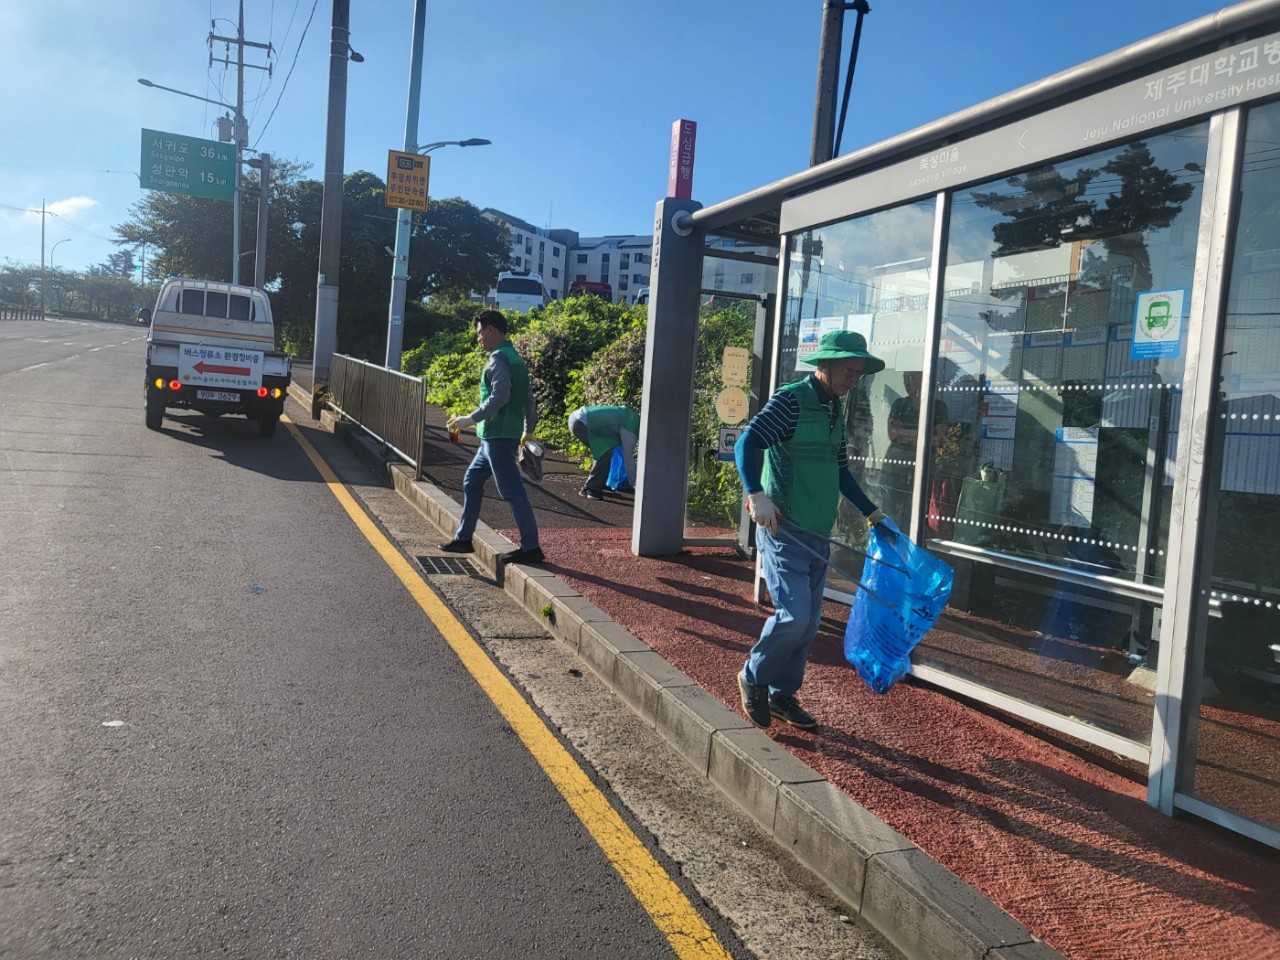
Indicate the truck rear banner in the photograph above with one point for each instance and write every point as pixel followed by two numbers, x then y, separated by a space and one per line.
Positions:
pixel 220 367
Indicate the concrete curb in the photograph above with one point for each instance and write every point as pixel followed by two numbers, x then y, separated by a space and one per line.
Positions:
pixel 922 908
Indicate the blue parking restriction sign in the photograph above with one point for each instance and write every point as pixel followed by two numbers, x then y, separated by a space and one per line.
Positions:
pixel 728 437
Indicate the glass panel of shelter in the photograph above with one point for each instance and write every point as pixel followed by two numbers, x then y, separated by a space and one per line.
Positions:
pixel 1053 429
pixel 1234 692
pixel 870 275
pixel 1060 363
pixel 732 292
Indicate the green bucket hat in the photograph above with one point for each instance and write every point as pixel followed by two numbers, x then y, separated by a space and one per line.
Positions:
pixel 843 345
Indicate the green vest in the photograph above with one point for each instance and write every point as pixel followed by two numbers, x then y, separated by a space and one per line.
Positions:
pixel 802 476
pixel 605 424
pixel 508 422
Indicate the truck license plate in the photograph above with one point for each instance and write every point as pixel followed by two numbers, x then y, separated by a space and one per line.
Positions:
pixel 224 395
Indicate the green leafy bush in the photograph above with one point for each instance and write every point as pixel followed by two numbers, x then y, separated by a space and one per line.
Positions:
pixel 558 342
pixel 583 351
pixel 453 379
pixel 715 490
pixel 435 328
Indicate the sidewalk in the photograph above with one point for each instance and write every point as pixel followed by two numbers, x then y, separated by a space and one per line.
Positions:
pixel 1063 843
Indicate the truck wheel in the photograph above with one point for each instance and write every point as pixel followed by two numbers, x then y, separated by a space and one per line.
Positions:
pixel 267 423
pixel 155 408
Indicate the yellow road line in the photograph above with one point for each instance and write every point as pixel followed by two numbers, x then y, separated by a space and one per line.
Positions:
pixel 685 929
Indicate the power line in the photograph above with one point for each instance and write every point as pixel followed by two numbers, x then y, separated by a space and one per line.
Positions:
pixel 284 86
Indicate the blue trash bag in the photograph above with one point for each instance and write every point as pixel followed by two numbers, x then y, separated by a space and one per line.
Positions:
pixel 618 471
pixel 878 639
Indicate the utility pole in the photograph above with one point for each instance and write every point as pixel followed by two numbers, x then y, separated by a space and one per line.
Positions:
pixel 240 133
pixel 400 266
pixel 326 334
pixel 826 135
pixel 263 164
pixel 824 108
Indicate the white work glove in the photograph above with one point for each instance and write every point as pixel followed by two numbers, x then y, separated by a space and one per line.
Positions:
pixel 763 512
pixel 459 423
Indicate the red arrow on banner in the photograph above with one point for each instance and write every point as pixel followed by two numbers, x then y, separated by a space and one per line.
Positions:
pixel 203 367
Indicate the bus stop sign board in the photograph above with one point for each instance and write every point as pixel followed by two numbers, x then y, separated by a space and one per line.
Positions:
pixel 197 168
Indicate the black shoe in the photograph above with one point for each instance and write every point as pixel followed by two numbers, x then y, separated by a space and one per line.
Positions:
pixel 524 556
pixel 591 494
pixel 755 701
pixel 457 546
pixel 786 707
pixel 626 488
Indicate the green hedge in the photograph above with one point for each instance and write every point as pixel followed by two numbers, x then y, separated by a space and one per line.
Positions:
pixel 582 351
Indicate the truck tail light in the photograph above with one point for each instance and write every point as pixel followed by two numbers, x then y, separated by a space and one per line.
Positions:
pixel 262 391
pixel 175 384
pixel 276 392
pixel 159 384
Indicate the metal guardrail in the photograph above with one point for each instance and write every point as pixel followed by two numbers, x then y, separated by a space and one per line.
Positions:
pixel 15 311
pixel 388 405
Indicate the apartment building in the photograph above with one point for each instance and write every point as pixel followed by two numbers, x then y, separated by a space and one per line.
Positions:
pixel 537 250
pixel 562 256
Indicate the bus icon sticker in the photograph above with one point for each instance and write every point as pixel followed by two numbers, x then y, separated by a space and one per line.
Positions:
pixel 1157 324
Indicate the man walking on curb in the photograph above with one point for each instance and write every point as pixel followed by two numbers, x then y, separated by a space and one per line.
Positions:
pixel 801 431
pixel 601 429
pixel 507 412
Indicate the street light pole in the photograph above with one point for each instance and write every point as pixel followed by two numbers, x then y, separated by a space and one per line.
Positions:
pixel 54 249
pixel 400 263
pixel 240 135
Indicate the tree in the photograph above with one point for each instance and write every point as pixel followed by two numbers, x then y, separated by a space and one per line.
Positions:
pixel 1149 198
pixel 1046 207
pixel 455 250
pixel 119 264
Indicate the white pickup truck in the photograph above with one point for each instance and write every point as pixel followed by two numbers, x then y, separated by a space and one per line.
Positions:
pixel 212 347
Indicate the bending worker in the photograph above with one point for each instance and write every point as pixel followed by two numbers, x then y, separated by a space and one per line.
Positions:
pixel 801 431
pixel 602 429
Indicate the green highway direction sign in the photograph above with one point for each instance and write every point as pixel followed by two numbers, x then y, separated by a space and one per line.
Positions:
pixel 198 168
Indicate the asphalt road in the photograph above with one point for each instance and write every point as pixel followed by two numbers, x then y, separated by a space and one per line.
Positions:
pixel 229 731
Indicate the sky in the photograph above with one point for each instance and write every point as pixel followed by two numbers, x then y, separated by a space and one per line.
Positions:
pixel 577 96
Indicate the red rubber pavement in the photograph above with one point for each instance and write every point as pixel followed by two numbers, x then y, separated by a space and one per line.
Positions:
pixel 1066 846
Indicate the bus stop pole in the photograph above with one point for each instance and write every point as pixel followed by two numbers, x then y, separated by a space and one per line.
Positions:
pixel 671 350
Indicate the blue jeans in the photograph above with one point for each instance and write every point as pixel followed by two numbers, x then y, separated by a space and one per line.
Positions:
pixel 497 458
pixel 795 579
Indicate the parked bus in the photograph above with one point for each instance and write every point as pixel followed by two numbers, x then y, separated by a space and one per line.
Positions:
pixel 602 290
pixel 521 291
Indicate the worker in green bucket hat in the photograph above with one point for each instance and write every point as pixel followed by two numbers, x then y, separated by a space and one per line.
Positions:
pixel 800 435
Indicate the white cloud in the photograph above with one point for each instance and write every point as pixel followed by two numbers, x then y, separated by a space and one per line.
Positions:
pixel 72 208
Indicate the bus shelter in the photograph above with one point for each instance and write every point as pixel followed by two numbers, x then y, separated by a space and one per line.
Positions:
pixel 1076 290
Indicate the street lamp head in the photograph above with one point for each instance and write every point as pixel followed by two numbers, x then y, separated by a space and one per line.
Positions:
pixel 473 142
pixel 145 83
pixel 355 57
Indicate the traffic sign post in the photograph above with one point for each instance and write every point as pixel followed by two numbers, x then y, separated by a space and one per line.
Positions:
pixel 187 165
